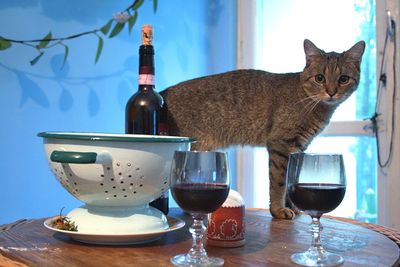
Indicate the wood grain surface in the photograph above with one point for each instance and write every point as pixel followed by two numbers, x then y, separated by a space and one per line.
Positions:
pixel 269 242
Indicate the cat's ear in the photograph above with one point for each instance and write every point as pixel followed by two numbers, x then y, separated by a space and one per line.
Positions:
pixel 311 50
pixel 356 51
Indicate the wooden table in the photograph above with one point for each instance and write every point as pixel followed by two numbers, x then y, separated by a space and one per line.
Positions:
pixel 269 242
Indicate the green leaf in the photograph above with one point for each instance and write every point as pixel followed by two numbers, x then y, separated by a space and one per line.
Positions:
pixel 132 21
pixel 137 4
pixel 66 51
pixel 106 27
pixel 155 3
pixel 99 49
pixel 36 59
pixel 117 29
pixel 45 41
pixel 4 44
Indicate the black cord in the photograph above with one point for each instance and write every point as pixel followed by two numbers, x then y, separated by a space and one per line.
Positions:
pixel 390 32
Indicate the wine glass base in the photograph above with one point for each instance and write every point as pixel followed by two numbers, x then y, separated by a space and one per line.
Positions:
pixel 187 260
pixel 311 259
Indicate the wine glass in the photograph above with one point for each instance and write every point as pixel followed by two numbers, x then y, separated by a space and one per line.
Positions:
pixel 199 184
pixel 316 184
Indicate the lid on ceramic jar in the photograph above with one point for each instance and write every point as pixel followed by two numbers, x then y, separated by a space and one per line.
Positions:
pixel 233 200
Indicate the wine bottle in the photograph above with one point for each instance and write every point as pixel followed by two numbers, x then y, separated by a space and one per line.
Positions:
pixel 144 108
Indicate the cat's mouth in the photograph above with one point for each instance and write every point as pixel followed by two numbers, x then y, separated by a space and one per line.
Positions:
pixel 332 100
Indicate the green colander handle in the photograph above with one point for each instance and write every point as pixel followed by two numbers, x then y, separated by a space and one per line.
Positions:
pixel 79 157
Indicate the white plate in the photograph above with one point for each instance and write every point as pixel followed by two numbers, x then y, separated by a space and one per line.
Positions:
pixel 118 239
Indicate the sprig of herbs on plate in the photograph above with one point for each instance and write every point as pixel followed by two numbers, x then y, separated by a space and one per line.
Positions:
pixel 64 223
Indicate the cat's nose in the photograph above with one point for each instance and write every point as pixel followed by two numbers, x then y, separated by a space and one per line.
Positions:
pixel 331 90
pixel 331 93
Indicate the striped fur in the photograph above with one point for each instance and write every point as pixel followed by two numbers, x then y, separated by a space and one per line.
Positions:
pixel 282 112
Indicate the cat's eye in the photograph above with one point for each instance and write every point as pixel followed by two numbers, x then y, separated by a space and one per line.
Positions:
pixel 319 78
pixel 344 79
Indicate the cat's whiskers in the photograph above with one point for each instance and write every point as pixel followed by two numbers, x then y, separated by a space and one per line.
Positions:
pixel 310 106
pixel 310 98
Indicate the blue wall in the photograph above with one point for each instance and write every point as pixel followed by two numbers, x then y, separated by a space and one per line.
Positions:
pixel 191 38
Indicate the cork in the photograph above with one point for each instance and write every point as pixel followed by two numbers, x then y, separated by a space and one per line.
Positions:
pixel 147 35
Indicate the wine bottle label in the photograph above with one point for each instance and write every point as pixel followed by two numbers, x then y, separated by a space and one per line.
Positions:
pixel 147 79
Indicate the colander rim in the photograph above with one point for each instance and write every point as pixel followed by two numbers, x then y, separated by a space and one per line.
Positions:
pixel 115 137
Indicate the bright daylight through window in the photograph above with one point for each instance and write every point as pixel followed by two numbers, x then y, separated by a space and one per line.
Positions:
pixel 279 51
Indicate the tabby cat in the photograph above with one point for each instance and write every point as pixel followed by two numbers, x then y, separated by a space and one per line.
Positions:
pixel 283 112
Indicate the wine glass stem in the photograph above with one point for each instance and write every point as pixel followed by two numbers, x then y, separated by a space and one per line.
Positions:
pixel 316 241
pixel 197 230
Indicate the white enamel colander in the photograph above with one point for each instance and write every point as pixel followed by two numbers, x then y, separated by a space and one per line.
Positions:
pixel 112 170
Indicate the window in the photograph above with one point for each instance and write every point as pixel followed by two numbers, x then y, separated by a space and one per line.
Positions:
pixel 281 27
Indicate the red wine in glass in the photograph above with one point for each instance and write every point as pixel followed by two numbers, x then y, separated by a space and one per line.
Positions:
pixel 316 184
pixel 203 198
pixel 316 199
pixel 199 183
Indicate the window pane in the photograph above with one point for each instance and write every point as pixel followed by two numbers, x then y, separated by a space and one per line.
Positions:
pixel 281 28
pixel 360 158
pixel 366 92
pixel 283 25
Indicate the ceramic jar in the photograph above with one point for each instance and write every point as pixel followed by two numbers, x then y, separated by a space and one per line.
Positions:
pixel 226 226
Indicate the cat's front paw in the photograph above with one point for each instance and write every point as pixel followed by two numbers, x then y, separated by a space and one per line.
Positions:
pixel 295 210
pixel 283 213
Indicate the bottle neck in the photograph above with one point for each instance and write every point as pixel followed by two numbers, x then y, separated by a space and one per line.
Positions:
pixel 146 65
pixel 146 87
